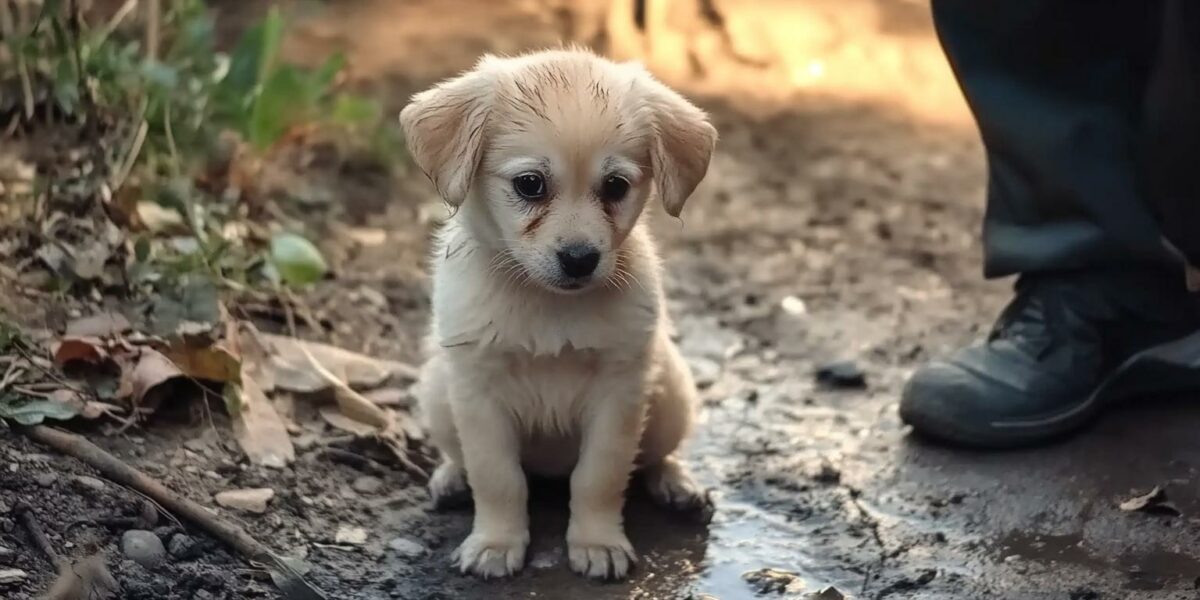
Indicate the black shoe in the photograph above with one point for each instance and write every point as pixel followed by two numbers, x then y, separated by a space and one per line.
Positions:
pixel 1037 375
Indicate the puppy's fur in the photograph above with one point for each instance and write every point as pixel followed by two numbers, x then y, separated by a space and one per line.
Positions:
pixel 532 366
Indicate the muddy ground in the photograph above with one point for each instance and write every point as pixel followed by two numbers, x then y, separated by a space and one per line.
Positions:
pixel 827 229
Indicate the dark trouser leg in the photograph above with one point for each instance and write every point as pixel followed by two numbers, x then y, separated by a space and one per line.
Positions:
pixel 1058 88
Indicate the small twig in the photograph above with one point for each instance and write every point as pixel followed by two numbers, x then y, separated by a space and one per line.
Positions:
pixel 116 470
pixel 153 16
pixel 34 528
pixel 351 459
pixel 135 149
pixel 116 19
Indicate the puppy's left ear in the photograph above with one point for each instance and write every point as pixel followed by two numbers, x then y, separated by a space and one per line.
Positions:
pixel 444 128
pixel 683 144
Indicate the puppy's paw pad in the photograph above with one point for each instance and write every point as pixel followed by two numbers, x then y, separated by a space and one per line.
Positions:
pixel 490 556
pixel 609 559
pixel 448 487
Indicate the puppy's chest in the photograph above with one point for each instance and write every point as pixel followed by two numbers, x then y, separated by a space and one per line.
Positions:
pixel 552 393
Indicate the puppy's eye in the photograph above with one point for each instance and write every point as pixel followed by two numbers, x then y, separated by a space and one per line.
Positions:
pixel 530 186
pixel 614 188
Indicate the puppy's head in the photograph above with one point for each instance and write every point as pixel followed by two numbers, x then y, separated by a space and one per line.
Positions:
pixel 552 157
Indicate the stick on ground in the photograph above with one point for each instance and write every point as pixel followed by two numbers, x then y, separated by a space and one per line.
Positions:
pixel 116 470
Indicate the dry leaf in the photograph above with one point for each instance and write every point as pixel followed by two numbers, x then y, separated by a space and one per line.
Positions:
pixel 152 370
pixel 86 349
pixel 337 420
pixel 99 325
pixel 86 579
pixel 357 370
pixel 259 430
pixel 212 362
pixel 1153 502
pixel 392 397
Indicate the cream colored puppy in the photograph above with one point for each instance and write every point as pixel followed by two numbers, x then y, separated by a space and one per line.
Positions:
pixel 549 350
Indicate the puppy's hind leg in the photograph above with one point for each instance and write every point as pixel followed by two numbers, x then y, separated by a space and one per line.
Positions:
pixel 448 484
pixel 672 409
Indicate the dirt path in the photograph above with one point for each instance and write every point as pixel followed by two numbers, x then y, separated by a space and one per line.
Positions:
pixel 826 230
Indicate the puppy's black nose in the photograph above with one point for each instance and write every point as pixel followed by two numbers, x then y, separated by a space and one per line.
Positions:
pixel 578 260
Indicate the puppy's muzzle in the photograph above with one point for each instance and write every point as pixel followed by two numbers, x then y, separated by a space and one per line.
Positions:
pixel 578 261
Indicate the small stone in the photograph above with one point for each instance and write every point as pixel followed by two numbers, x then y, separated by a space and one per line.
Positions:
pixel 794 306
pixel 828 593
pixel 183 547
pixel 46 479
pixel 11 576
pixel 6 553
pixel 252 500
pixel 351 536
pixel 90 484
pixel 197 445
pixel 143 548
pixel 774 581
pixel 203 595
pixel 844 374
pixel 367 484
pixel 406 547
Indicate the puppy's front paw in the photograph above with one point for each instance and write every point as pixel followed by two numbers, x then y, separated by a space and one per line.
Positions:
pixel 600 553
pixel 670 485
pixel 491 555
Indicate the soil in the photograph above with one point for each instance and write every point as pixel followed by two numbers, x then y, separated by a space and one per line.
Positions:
pixel 828 229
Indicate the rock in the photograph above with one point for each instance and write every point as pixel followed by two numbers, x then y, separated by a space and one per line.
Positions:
pixel 844 374
pixel 406 547
pixel 183 547
pixel 794 306
pixel 11 576
pixel 45 479
pixel 827 473
pixel 774 581
pixel 367 484
pixel 6 553
pixel 197 445
pixel 827 593
pixel 252 500
pixel 352 536
pixel 90 484
pixel 143 548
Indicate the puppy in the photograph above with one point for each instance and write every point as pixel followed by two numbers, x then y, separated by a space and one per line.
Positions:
pixel 549 350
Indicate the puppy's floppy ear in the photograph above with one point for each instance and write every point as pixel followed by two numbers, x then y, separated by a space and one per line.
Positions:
pixel 445 126
pixel 683 144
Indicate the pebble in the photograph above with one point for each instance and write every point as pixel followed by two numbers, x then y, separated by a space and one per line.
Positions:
pixel 46 479
pixel 6 553
pixel 10 576
pixel 352 536
pixel 407 548
pixel 90 484
pixel 198 445
pixel 252 500
pixel 844 374
pixel 143 548
pixel 774 581
pixel 367 484
pixel 828 593
pixel 182 547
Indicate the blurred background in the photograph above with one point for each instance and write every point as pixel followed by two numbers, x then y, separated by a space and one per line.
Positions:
pixel 176 175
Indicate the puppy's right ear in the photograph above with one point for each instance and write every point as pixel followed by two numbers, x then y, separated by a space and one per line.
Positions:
pixel 444 128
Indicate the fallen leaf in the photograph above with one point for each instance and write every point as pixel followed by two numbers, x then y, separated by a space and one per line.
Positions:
pixel 159 219
pixel 212 362
pixel 35 411
pixel 87 349
pixel 86 579
pixel 99 325
pixel 392 397
pixel 1152 502
pixel 259 429
pixel 152 370
pixel 337 420
pixel 296 259
pixel 294 372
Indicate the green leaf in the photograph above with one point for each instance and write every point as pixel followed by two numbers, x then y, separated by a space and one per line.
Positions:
pixel 280 105
pixel 296 259
pixel 254 56
pixel 160 74
pixel 322 78
pixel 33 412
pixel 355 111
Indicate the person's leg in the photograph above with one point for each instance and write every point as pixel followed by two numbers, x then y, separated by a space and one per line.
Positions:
pixel 1057 89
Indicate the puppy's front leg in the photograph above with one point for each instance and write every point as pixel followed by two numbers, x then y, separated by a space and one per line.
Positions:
pixel 492 457
pixel 611 429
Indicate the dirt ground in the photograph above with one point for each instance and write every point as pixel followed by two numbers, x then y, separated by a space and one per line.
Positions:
pixel 828 228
